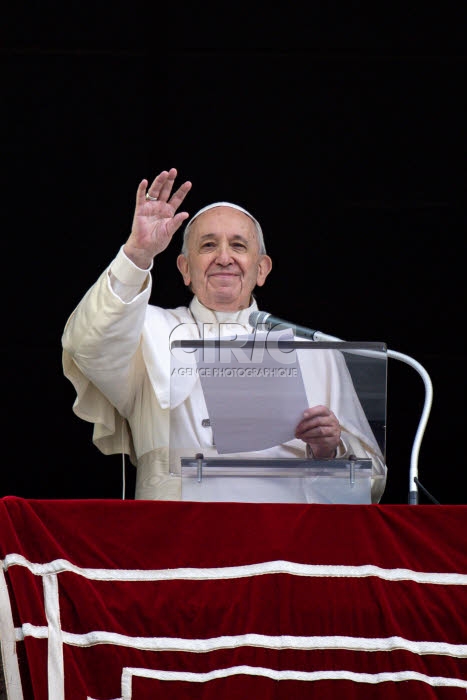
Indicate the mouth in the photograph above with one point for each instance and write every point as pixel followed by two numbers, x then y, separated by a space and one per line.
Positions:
pixel 223 275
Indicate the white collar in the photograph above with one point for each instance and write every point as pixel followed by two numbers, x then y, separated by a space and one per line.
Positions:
pixel 204 315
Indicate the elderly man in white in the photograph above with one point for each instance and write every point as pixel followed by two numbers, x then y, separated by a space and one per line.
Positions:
pixel 116 345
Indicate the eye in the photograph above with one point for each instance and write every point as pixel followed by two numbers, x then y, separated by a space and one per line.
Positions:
pixel 239 246
pixel 208 244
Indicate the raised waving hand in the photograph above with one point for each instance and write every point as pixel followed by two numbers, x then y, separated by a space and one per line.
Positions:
pixel 156 218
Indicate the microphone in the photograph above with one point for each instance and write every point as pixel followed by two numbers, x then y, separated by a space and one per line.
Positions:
pixel 264 318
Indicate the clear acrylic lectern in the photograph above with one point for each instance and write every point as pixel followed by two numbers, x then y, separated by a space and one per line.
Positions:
pixel 234 405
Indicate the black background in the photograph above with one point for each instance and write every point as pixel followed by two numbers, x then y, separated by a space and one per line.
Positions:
pixel 352 159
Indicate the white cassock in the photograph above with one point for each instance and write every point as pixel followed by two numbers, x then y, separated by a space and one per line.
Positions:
pixel 116 352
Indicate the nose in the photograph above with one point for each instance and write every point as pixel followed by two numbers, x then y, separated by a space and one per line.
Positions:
pixel 223 256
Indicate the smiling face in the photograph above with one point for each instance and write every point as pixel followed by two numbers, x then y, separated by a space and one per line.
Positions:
pixel 223 263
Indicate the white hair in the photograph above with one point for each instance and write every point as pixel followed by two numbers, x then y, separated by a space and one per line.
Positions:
pixel 259 232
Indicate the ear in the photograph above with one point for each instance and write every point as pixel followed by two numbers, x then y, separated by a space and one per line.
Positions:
pixel 184 268
pixel 264 268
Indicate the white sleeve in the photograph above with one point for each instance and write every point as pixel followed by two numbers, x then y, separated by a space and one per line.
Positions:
pixel 126 279
pixel 102 335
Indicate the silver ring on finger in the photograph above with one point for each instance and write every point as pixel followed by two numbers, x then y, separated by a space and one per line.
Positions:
pixel 151 199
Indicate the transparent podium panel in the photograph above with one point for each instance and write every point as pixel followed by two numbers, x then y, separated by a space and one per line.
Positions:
pixel 276 480
pixel 235 404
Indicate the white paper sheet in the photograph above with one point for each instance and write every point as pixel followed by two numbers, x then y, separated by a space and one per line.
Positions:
pixel 255 399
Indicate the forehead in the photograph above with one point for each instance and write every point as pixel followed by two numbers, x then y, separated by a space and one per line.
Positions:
pixel 223 220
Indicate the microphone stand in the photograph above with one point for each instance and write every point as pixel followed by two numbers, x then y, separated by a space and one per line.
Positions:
pixel 414 481
pixel 262 318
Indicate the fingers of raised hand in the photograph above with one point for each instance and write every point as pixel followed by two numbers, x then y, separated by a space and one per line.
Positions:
pixel 180 194
pixel 175 222
pixel 160 190
pixel 155 189
pixel 161 187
